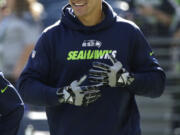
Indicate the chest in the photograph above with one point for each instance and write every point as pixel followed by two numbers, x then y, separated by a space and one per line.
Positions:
pixel 77 48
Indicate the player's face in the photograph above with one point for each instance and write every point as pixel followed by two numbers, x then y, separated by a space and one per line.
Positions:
pixel 85 7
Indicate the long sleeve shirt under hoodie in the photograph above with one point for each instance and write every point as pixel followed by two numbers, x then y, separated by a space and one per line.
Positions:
pixel 65 52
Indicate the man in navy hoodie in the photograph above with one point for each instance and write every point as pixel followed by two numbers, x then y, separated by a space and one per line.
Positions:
pixel 11 108
pixel 91 40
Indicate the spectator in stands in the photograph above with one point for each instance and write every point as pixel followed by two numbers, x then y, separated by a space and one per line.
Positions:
pixel 19 31
pixel 124 8
pixel 177 26
pixel 177 33
pixel 3 13
pixel 3 9
pixel 159 14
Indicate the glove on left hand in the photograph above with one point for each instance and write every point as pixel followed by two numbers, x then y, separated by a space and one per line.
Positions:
pixel 113 76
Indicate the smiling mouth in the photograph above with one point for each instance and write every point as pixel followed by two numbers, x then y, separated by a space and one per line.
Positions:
pixel 79 4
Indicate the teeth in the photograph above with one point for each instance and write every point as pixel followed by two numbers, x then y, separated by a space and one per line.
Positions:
pixel 79 4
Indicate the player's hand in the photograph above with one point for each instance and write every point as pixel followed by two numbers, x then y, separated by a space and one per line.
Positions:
pixel 113 76
pixel 79 95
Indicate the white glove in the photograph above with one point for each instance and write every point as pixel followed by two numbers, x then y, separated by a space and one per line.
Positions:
pixel 79 95
pixel 113 76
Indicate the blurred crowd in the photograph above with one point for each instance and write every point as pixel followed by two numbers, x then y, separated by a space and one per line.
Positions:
pixel 22 21
pixel 20 26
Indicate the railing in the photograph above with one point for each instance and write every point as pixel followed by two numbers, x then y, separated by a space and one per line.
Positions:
pixel 159 116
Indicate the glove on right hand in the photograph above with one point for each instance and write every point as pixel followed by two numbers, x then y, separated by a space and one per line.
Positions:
pixel 79 95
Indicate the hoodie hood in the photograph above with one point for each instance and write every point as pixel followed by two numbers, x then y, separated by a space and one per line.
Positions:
pixel 71 21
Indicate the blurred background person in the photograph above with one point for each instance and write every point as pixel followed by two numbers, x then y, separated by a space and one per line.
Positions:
pixel 3 11
pixel 124 8
pixel 20 27
pixel 156 16
pixel 19 30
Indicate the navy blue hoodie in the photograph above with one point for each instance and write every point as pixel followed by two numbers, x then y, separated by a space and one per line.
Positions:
pixel 11 108
pixel 65 52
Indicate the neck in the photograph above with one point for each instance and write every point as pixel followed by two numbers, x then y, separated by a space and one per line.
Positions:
pixel 92 19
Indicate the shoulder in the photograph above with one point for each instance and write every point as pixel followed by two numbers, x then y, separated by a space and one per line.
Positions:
pixel 129 27
pixel 50 35
pixel 1 74
pixel 127 24
pixel 52 28
pixel 53 32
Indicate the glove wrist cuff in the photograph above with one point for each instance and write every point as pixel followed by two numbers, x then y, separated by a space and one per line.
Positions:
pixel 60 95
pixel 65 95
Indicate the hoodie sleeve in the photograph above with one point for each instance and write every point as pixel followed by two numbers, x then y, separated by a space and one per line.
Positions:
pixel 10 99
pixel 149 76
pixel 33 82
pixel 11 108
